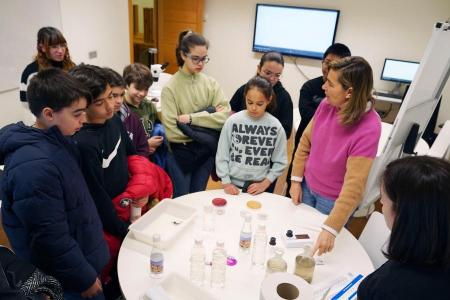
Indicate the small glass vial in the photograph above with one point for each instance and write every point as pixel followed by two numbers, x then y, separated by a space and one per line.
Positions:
pixel 156 258
pixel 277 263
pixel 305 264
pixel 259 246
pixel 208 218
pixel 245 238
pixel 272 245
pixel 219 265
pixel 135 212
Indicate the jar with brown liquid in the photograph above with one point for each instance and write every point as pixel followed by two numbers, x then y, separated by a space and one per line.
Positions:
pixel 305 264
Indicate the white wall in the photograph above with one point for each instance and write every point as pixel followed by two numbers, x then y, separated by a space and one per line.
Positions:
pixel 372 29
pixel 18 47
pixel 100 25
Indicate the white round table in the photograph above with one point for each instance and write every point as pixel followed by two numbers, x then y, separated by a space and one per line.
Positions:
pixel 242 280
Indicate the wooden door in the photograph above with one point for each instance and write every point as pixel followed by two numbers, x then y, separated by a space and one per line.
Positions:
pixel 175 16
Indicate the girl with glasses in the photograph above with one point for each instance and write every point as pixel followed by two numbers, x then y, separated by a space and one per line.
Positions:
pixel 191 98
pixel 52 51
pixel 270 67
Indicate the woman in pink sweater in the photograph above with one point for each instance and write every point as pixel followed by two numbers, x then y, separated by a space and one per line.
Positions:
pixel 337 148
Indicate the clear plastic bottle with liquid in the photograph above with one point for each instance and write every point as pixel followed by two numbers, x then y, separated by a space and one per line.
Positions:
pixel 245 238
pixel 197 271
pixel 259 246
pixel 277 263
pixel 305 264
pixel 156 258
pixel 219 265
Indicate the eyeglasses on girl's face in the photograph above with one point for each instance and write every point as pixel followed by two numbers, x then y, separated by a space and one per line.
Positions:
pixel 198 59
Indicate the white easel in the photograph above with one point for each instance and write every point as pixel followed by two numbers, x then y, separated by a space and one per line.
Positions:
pixel 418 106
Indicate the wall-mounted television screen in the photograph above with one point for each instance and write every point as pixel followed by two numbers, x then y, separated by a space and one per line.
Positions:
pixel 294 31
pixel 401 71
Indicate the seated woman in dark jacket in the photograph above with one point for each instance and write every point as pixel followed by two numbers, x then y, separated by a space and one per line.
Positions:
pixel 415 194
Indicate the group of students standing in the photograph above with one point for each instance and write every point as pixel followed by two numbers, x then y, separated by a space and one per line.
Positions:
pixel 63 197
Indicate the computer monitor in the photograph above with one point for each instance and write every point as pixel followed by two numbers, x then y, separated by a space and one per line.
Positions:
pixel 400 71
pixel 294 31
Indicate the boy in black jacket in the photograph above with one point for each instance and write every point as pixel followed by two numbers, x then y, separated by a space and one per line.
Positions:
pixel 104 147
pixel 47 210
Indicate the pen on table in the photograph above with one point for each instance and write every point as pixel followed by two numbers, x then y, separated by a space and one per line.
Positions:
pixel 347 287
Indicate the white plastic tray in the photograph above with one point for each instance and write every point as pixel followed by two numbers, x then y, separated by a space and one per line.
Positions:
pixel 168 218
pixel 177 287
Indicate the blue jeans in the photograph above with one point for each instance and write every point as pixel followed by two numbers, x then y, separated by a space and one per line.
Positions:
pixel 192 182
pixel 76 296
pixel 322 204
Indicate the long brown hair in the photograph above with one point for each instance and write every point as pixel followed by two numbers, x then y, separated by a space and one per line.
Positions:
pixel 47 37
pixel 354 72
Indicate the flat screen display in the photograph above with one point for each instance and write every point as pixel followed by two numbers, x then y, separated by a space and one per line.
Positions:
pixel 294 31
pixel 399 70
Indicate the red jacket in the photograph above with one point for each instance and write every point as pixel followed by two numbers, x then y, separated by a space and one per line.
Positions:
pixel 146 179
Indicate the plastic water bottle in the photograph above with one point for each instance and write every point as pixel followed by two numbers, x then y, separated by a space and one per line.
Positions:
pixel 245 239
pixel 156 258
pixel 219 265
pixel 259 246
pixel 197 273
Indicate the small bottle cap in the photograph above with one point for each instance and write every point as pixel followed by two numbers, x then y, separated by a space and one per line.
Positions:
pixel 289 233
pixel 273 241
pixel 307 250
pixel 220 243
pixel 243 213
pixel 279 251
pixel 198 240
pixel 262 226
pixel 262 216
pixel 231 261
pixel 156 237
pixel 219 202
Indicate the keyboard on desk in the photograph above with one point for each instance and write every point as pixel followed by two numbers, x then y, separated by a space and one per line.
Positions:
pixel 387 95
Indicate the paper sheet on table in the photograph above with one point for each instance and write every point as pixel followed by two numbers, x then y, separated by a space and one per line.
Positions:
pixel 333 285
